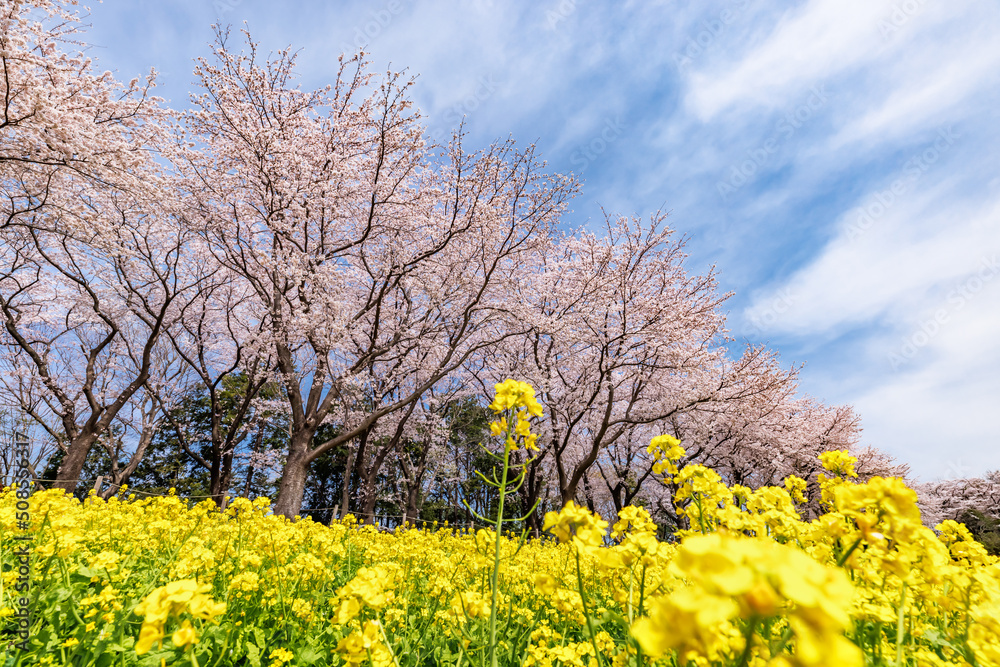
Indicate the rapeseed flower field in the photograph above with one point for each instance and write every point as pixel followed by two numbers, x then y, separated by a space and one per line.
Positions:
pixel 159 581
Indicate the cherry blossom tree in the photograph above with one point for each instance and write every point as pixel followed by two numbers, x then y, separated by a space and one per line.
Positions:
pixel 752 426
pixel 315 241
pixel 756 429
pixel 216 340
pixel 952 498
pixel 83 314
pixel 735 404
pixel 88 268
pixel 625 345
pixel 376 267
pixel 617 327
pixel 63 126
pixel 759 430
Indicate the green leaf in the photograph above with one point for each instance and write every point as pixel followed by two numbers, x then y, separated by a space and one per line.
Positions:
pixel 87 573
pixel 61 594
pixel 155 657
pixel 253 655
pixel 934 636
pixel 309 655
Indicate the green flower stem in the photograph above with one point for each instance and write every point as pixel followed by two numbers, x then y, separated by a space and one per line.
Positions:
pixel 385 639
pixel 847 554
pixel 586 614
pixel 745 656
pixel 900 617
pixel 496 552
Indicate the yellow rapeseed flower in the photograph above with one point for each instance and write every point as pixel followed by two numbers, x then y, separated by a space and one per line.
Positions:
pixel 577 525
pixel 511 394
pixel 184 636
pixel 280 656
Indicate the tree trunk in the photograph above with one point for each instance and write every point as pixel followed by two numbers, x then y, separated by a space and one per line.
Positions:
pixel 345 494
pixel 258 444
pixel 370 477
pixel 292 486
pixel 121 477
pixel 249 481
pixel 227 474
pixel 369 495
pixel 530 493
pixel 215 475
pixel 413 504
pixel 616 497
pixel 568 492
pixel 72 464
pixel 222 474
pixel 588 496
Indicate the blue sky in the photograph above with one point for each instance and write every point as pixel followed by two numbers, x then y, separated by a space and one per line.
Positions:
pixel 836 160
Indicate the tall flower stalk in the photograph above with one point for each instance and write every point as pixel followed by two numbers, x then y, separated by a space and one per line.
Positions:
pixel 514 405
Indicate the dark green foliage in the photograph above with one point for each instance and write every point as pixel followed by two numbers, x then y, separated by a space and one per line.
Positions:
pixel 166 467
pixel 985 528
pixel 469 425
pixel 98 464
pixel 444 483
pixel 325 483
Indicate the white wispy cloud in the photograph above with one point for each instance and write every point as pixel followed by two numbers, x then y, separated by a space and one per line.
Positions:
pixel 921 223
pixel 810 42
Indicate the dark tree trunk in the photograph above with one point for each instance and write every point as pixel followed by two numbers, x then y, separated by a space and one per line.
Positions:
pixel 291 488
pixel 413 504
pixel 258 444
pixel 369 492
pixel 215 476
pixel 345 496
pixel 119 477
pixel 530 493
pixel 72 464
